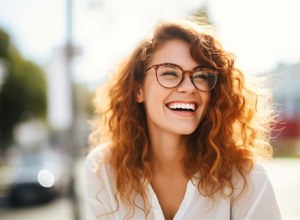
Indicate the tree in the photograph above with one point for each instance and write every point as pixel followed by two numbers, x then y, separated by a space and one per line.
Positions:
pixel 23 93
pixel 203 14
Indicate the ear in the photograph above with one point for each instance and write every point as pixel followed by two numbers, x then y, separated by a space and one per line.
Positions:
pixel 139 95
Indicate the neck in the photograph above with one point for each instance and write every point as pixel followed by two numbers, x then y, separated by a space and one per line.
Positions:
pixel 167 152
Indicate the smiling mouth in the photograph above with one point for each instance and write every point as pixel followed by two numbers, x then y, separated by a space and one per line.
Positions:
pixel 176 106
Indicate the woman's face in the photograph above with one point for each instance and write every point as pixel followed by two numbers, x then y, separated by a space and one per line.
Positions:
pixel 177 110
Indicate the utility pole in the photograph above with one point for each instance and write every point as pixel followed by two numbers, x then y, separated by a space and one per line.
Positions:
pixel 72 146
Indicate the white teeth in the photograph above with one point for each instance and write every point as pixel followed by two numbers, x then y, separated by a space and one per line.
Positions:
pixel 188 106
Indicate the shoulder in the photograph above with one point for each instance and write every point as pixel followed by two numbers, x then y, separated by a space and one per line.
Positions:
pixel 259 181
pixel 98 172
pixel 255 178
pixel 253 183
pixel 98 158
pixel 258 174
pixel 100 153
pixel 99 182
pixel 258 200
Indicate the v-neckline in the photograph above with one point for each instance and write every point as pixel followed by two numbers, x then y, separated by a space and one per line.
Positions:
pixel 158 213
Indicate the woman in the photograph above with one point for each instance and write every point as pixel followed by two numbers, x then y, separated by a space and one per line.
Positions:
pixel 179 135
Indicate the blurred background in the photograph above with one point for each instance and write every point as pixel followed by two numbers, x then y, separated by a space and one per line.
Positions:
pixel 54 54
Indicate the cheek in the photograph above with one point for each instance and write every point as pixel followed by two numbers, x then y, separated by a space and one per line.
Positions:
pixel 152 92
pixel 153 99
pixel 207 103
pixel 205 98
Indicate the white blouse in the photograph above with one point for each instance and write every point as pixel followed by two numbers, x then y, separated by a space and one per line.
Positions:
pixel 257 202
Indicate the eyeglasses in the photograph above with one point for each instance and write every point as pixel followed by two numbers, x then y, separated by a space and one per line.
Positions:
pixel 170 75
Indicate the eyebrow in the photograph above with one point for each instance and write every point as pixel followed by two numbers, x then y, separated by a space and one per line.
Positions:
pixel 201 67
pixel 177 65
pixel 172 64
pixel 194 68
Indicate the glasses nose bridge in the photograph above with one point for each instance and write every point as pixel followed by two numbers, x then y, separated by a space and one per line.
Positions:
pixel 190 73
pixel 187 71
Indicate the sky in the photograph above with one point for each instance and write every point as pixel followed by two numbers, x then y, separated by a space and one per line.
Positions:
pixel 261 33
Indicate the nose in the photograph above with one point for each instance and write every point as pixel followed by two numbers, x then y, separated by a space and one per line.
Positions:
pixel 186 85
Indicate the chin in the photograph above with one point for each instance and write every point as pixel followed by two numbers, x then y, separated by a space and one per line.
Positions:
pixel 186 131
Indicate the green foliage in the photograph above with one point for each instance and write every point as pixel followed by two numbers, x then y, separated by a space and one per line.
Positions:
pixel 4 43
pixel 23 93
pixel 203 14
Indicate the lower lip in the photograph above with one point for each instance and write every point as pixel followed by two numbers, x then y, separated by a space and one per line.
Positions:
pixel 183 113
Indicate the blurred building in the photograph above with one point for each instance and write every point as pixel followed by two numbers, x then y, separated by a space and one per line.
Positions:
pixel 60 100
pixel 286 92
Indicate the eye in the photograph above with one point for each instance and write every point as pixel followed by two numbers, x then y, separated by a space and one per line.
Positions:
pixel 169 72
pixel 200 75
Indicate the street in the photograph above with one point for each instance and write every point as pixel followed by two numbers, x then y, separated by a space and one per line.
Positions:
pixel 284 174
pixel 59 209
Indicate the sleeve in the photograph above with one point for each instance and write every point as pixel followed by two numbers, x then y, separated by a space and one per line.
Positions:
pixel 258 202
pixel 93 205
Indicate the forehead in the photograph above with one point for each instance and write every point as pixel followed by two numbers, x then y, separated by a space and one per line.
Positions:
pixel 174 51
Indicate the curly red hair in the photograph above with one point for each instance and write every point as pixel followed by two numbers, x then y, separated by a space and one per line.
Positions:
pixel 233 132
